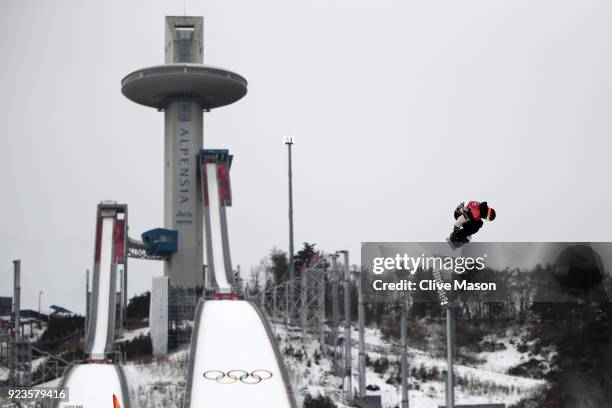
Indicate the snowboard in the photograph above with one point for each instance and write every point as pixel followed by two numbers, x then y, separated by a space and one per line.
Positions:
pixel 456 244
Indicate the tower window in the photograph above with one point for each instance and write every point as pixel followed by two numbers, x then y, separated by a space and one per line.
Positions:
pixel 185 38
pixel 184 109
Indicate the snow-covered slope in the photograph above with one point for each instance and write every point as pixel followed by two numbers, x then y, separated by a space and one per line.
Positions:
pixel 93 386
pixel 235 363
pixel 485 382
pixel 159 383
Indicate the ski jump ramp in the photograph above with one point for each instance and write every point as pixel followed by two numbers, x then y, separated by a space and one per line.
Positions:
pixel 93 385
pixel 214 170
pixel 109 256
pixel 100 328
pixel 234 361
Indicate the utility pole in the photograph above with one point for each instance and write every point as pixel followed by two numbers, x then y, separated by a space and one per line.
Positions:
pixel 450 344
pixel 361 322
pixel 86 300
pixel 321 304
pixel 39 318
pixel 347 327
pixel 17 298
pixel 404 352
pixel 335 312
pixel 15 360
pixel 450 381
pixel 289 140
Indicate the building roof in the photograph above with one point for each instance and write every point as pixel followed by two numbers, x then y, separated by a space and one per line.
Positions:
pixel 59 309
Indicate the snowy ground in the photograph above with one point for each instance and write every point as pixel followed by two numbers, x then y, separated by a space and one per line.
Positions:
pixel 510 354
pixel 485 382
pixel 31 331
pixel 132 334
pixel 159 383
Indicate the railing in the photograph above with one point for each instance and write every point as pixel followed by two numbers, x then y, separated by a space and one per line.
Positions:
pixel 182 68
pixel 192 352
pixel 279 356
pixel 305 308
pixel 53 367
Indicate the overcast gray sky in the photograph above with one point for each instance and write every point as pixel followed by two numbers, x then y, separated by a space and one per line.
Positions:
pixel 400 110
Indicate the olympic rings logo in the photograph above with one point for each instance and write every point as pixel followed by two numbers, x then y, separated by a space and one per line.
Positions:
pixel 233 376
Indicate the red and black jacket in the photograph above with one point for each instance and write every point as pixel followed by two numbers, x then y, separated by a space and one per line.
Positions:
pixel 473 210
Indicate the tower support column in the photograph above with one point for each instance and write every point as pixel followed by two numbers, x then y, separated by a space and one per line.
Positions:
pixel 183 191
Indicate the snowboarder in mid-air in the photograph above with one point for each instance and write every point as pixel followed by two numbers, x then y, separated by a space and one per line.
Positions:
pixel 468 220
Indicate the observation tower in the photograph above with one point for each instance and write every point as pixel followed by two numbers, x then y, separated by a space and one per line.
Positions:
pixel 183 88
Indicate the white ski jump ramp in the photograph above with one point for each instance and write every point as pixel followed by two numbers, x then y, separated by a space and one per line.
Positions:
pixel 104 291
pixel 233 361
pixel 216 227
pixel 216 194
pixel 109 256
pixel 93 386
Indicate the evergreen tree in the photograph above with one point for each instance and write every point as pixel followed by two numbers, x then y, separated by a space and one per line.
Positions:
pixel 280 265
pixel 304 255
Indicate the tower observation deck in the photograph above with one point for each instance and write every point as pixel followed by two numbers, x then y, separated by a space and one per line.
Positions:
pixel 183 88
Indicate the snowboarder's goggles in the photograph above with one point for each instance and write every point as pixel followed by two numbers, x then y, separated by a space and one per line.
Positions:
pixel 489 211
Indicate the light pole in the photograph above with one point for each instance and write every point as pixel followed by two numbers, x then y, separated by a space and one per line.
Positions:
pixel 335 313
pixel 361 322
pixel 347 375
pixel 17 297
pixel 450 341
pixel 39 297
pixel 289 140
pixel 39 318
pixel 404 351
pixel 450 351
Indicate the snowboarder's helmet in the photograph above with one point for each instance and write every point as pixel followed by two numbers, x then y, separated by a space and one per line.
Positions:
pixel 491 214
